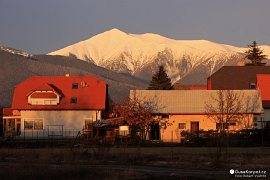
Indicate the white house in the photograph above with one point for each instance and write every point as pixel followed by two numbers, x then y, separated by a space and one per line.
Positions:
pixel 58 105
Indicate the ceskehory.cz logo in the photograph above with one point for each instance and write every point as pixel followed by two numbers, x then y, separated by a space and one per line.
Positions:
pixel 249 173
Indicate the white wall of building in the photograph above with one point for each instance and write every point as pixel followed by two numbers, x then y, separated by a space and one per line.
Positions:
pixel 70 121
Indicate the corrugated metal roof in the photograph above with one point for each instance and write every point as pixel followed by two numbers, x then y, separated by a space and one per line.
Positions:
pixel 195 101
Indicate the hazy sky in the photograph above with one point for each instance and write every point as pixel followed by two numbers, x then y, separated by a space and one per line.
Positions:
pixel 41 26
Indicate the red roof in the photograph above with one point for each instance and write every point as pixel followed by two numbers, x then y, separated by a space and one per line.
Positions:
pixel 263 84
pixel 43 95
pixel 44 87
pixel 10 112
pixel 90 94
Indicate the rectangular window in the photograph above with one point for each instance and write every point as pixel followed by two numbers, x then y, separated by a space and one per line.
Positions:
pixel 54 102
pixel 38 124
pixel 33 124
pixel 73 100
pixel 28 124
pixel 123 130
pixel 182 125
pixel 75 86
pixel 222 126
pixel 46 102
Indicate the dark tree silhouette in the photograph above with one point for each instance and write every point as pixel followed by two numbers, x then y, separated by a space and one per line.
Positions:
pixel 255 54
pixel 160 80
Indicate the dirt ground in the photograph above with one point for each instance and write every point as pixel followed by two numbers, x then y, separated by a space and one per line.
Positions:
pixel 129 162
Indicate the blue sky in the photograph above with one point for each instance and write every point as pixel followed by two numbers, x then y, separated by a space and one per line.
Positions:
pixel 41 26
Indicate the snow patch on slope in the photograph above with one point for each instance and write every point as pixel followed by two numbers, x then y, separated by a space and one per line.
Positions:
pixel 16 52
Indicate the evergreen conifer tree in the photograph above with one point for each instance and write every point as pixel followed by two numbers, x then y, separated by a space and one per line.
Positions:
pixel 160 80
pixel 255 54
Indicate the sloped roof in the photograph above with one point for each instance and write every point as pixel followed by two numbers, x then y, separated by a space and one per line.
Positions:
pixel 43 95
pixel 236 77
pixel 92 95
pixel 10 112
pixel 194 102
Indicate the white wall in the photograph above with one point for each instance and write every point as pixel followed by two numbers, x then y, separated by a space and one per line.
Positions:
pixel 72 121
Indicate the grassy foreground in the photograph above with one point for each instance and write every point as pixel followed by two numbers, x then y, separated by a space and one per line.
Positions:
pixel 129 162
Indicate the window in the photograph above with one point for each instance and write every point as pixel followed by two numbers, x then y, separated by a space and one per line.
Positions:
pixel 33 124
pixel 222 125
pixel 123 130
pixel 255 119
pixel 50 102
pixel 28 124
pixel 38 124
pixel 73 100
pixel 46 102
pixel 75 86
pixel 182 125
pixel 252 86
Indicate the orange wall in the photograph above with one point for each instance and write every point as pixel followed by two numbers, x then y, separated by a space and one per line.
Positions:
pixel 173 134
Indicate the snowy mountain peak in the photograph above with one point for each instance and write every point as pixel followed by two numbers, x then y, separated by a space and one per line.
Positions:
pixel 140 54
pixel 115 31
pixel 16 52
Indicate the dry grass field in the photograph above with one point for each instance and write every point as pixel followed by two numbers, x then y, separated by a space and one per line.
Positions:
pixel 129 162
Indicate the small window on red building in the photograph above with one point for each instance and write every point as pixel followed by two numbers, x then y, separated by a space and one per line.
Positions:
pixel 75 85
pixel 73 100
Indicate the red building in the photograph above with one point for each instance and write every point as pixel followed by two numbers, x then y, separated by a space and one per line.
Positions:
pixel 263 84
pixel 59 105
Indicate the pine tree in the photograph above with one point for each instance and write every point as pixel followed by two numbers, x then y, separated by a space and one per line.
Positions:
pixel 160 80
pixel 255 54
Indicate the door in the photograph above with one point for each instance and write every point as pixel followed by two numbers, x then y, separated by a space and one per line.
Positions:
pixel 194 126
pixel 10 127
pixel 154 132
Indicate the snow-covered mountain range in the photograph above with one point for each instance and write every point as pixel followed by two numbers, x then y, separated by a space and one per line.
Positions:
pixel 140 54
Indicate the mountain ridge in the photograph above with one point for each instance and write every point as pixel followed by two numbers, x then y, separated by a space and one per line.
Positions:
pixel 135 53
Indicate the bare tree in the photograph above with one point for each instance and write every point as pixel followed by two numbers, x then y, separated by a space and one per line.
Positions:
pixel 230 106
pixel 227 107
pixel 140 114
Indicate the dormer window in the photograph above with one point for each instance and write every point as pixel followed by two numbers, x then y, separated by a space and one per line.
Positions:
pixel 75 85
pixel 43 98
pixel 73 100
